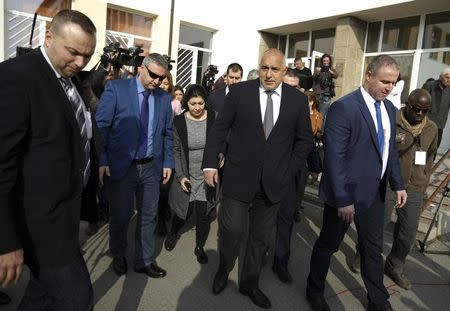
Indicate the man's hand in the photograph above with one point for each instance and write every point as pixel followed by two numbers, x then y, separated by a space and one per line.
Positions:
pixel 167 172
pixel 211 177
pixel 402 196
pixel 221 160
pixel 346 213
pixel 11 267
pixel 184 182
pixel 102 170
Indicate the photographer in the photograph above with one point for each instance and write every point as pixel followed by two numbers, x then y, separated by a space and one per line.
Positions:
pixel 324 84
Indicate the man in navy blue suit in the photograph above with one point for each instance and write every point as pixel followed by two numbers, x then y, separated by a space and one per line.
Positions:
pixel 360 157
pixel 134 117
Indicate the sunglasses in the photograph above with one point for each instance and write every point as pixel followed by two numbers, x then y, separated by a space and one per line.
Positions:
pixel 154 75
pixel 418 110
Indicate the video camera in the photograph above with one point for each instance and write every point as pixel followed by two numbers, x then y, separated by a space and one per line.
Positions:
pixel 169 61
pixel 208 77
pixel 117 56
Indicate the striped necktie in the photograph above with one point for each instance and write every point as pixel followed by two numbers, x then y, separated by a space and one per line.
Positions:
pixel 77 106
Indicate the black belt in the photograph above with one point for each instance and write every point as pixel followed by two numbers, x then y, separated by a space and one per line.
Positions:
pixel 142 161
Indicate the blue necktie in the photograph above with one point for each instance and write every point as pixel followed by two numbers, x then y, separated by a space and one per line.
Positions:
pixel 142 150
pixel 380 126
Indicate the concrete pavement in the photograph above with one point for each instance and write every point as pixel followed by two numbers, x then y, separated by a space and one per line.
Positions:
pixel 187 286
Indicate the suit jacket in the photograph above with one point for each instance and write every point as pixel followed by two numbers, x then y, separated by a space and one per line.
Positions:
pixel 352 158
pixel 41 164
pixel 118 121
pixel 216 99
pixel 252 161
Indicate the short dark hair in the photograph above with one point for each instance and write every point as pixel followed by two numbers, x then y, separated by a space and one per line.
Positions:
pixel 177 87
pixel 382 61
pixel 235 67
pixel 291 73
pixel 66 17
pixel 193 90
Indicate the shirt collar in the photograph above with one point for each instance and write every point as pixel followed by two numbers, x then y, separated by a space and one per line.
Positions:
pixel 368 98
pixel 139 86
pixel 48 61
pixel 276 91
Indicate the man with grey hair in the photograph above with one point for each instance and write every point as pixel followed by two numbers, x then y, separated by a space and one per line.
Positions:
pixel 253 74
pixel 440 100
pixel 134 117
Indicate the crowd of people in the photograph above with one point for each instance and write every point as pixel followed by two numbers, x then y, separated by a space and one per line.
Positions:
pixel 243 154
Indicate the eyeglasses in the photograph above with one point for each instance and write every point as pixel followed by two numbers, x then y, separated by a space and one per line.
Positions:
pixel 418 110
pixel 154 75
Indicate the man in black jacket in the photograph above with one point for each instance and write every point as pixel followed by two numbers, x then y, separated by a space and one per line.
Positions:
pixel 45 132
pixel 269 140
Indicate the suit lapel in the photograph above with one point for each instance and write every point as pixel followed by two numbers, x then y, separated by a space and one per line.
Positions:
pixel 255 98
pixel 132 93
pixel 156 108
pixel 369 120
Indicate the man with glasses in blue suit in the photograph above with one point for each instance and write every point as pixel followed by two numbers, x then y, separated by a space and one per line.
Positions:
pixel 134 117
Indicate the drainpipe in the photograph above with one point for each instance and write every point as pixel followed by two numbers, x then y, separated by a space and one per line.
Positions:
pixel 172 9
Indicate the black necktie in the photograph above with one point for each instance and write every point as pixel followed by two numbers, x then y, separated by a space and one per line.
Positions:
pixel 268 115
pixel 77 106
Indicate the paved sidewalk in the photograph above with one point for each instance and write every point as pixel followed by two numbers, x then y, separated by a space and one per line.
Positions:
pixel 187 286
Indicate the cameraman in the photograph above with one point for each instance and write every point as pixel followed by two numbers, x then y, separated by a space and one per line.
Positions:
pixel 324 84
pixel 208 78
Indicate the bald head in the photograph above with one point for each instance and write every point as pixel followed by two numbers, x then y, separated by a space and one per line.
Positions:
pixel 271 69
pixel 417 106
pixel 420 99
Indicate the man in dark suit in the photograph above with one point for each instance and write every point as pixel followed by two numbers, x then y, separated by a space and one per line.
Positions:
pixel 134 117
pixel 360 157
pixel 45 135
pixel 216 99
pixel 261 160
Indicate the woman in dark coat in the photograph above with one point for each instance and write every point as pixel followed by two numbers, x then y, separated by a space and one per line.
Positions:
pixel 189 191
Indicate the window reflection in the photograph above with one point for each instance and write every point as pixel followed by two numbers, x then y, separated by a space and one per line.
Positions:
pixel 437 30
pixel 400 34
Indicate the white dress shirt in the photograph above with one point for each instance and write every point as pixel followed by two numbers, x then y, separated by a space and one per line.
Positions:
pixel 370 102
pixel 276 99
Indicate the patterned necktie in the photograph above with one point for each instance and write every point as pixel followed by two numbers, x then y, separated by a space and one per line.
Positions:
pixel 380 126
pixel 77 106
pixel 142 149
pixel 268 115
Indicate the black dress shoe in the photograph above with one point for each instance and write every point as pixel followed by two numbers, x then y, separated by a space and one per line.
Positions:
pixel 372 307
pixel 282 273
pixel 152 270
pixel 119 265
pixel 171 241
pixel 257 297
pixel 4 299
pixel 220 282
pixel 201 256
pixel 318 302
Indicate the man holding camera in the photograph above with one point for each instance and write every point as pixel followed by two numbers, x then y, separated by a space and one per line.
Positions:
pixel 134 117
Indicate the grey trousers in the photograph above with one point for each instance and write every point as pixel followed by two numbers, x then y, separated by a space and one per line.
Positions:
pixel 405 228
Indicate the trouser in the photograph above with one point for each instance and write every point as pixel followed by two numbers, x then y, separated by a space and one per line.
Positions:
pixel 260 214
pixel 203 222
pixel 65 288
pixel 142 183
pixel 405 229
pixel 369 224
pixel 285 223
